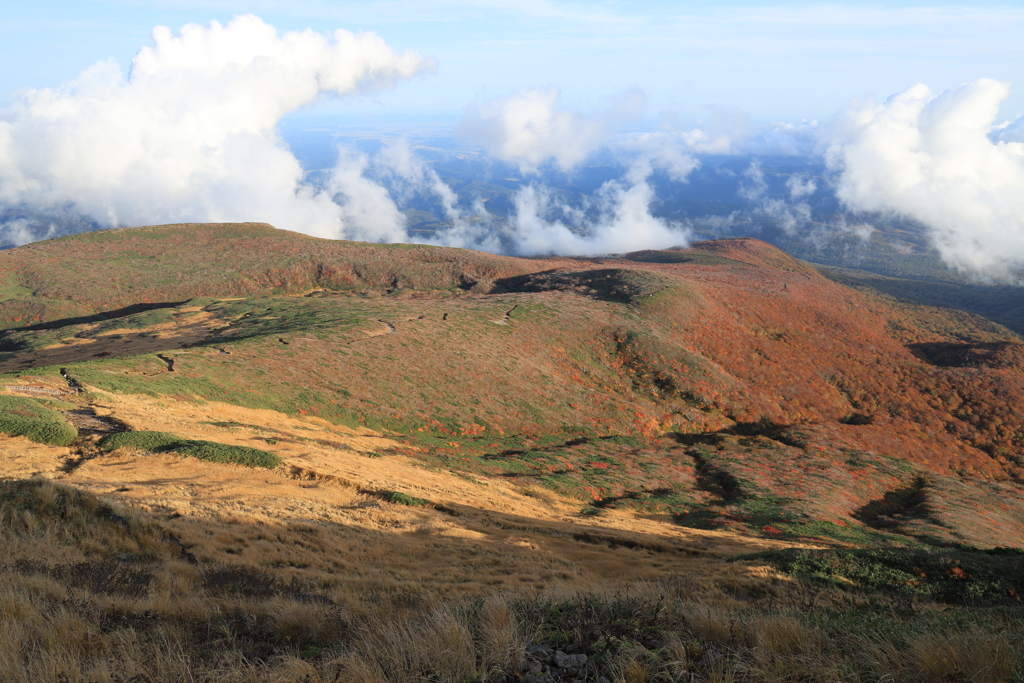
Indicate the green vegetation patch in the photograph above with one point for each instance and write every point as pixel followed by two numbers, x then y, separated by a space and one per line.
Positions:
pixel 10 289
pixel 56 404
pixel 27 417
pixel 399 498
pixel 164 442
pixel 951 575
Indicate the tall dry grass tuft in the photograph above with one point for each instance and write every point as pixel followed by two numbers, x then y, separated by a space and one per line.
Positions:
pixel 439 645
pixel 502 642
pixel 971 655
pixel 785 635
pixel 712 624
pixel 633 665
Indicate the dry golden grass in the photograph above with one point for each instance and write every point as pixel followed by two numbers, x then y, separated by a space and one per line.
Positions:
pixel 152 568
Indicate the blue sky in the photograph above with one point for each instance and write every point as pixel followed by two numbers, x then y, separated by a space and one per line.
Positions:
pixel 902 104
pixel 782 61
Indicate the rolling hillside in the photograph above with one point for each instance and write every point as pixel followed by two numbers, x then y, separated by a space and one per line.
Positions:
pixel 432 424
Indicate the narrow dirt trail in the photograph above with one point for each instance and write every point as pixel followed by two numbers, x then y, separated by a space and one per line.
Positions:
pixel 370 334
pixel 507 318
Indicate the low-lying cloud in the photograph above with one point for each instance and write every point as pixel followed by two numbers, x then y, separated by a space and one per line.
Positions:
pixel 624 222
pixel 789 216
pixel 933 158
pixel 190 134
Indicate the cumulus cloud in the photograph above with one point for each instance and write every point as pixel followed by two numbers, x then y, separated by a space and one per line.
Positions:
pixel 408 177
pixel 933 158
pixel 624 222
pixel 190 134
pixel 531 128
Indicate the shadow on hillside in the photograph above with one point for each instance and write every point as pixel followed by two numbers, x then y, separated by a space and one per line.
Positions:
pixel 20 355
pixel 421 548
pixel 999 303
pixel 966 355
pixel 620 285
pixel 587 534
pixel 95 318
pixel 895 507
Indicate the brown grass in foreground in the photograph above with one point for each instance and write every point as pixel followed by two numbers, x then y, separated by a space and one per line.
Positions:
pixel 93 590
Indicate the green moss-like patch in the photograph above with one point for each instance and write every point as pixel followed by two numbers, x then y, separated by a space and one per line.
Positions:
pixel 147 441
pixel 399 498
pixel 27 417
pixel 164 442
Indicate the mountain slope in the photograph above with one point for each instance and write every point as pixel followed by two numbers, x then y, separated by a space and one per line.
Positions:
pixel 728 385
pixel 293 459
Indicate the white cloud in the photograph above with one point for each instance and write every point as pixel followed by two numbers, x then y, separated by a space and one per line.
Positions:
pixel 190 134
pixel 531 129
pixel 625 222
pixel 617 218
pixel 22 231
pixel 729 132
pixel 407 177
pixel 800 186
pixel 931 158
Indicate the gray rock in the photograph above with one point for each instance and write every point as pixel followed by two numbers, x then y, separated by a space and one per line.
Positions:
pixel 534 667
pixel 539 652
pixel 570 663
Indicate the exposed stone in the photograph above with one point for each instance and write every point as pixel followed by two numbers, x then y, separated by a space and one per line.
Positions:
pixel 539 652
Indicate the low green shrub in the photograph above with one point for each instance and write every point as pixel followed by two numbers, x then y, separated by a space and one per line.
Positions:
pixel 400 498
pixel 146 441
pixel 164 442
pixel 27 417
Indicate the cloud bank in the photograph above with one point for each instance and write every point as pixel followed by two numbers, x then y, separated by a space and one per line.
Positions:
pixel 933 158
pixel 190 134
